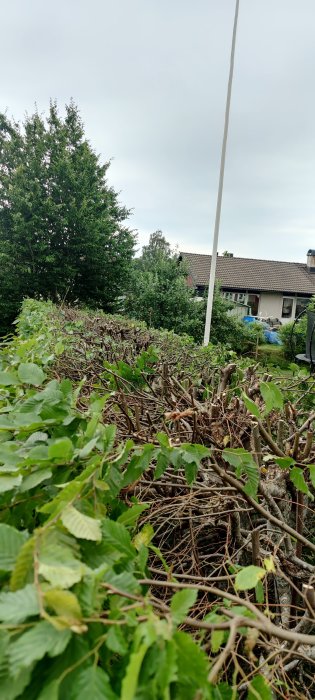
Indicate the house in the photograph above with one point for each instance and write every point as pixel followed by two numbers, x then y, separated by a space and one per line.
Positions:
pixel 270 287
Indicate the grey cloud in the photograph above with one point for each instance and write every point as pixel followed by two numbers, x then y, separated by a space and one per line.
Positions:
pixel 150 79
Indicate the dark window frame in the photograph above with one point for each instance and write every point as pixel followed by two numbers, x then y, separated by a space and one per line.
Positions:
pixel 284 299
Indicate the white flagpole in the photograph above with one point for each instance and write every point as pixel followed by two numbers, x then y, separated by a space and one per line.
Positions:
pixel 219 199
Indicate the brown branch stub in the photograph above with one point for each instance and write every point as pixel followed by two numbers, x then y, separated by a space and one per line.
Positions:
pixel 256 444
pixel 226 373
pixel 309 593
pixel 255 548
pixel 299 522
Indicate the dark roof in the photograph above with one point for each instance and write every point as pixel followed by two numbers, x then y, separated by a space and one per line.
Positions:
pixel 248 273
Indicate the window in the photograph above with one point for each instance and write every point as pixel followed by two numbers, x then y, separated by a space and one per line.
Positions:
pixel 253 302
pixel 287 307
pixel 301 304
pixel 235 296
pixel 240 297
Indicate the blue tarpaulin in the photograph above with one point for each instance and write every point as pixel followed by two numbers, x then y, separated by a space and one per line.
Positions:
pixel 270 336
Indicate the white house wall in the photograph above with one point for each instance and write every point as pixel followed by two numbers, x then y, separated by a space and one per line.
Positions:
pixel 270 304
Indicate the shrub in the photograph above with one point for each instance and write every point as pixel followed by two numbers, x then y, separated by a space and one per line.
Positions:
pixel 293 337
pixel 78 617
pixel 293 334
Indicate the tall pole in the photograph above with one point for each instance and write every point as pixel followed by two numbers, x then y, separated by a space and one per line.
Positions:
pixel 220 190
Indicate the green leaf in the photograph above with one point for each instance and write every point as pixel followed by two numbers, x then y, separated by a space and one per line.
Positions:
pixel 11 541
pixel 223 691
pixel 191 471
pixel 33 644
pixel 58 561
pixel 194 453
pixel 244 464
pixel 37 454
pixel 259 689
pixel 50 691
pixel 36 437
pixel 248 577
pixel 163 439
pixel 24 421
pixel 80 525
pixel 64 603
pixel 251 406
pixel 143 537
pixel 138 464
pixel 23 569
pixel 284 462
pixel 192 663
pixel 96 406
pixel 181 602
pixel 8 379
pixel 117 536
pixel 61 450
pixel 131 515
pixel 130 681
pixel 166 672
pixel 162 463
pixel 68 494
pixel 8 482
pixel 237 456
pixel 33 480
pixel 16 606
pixel 12 688
pixel 123 454
pixel 59 348
pixel 116 642
pixel 252 483
pixel 272 396
pixel 88 448
pixel 311 468
pixel 109 437
pixel 259 592
pixel 297 478
pixel 4 642
pixel 9 454
pixel 92 682
pixel 217 639
pixel 124 582
pixel 63 575
pixel 29 373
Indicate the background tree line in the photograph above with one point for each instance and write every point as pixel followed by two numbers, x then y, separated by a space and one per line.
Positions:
pixel 63 235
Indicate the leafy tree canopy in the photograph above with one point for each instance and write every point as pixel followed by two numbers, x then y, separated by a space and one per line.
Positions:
pixel 62 232
pixel 159 294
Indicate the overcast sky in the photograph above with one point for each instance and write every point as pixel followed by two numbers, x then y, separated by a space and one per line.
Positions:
pixel 150 79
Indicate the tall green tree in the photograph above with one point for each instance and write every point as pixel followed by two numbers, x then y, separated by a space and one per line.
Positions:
pixel 62 230
pixel 159 294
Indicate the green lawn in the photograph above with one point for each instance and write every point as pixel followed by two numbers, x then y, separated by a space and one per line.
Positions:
pixel 273 355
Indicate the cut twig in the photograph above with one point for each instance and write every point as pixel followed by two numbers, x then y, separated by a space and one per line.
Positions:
pixel 255 548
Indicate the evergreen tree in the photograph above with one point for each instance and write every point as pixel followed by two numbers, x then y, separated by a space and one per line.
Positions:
pixel 62 232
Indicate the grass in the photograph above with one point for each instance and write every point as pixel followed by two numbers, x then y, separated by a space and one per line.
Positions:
pixel 272 355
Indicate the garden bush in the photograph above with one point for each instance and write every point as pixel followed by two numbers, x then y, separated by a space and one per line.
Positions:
pixel 95 600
